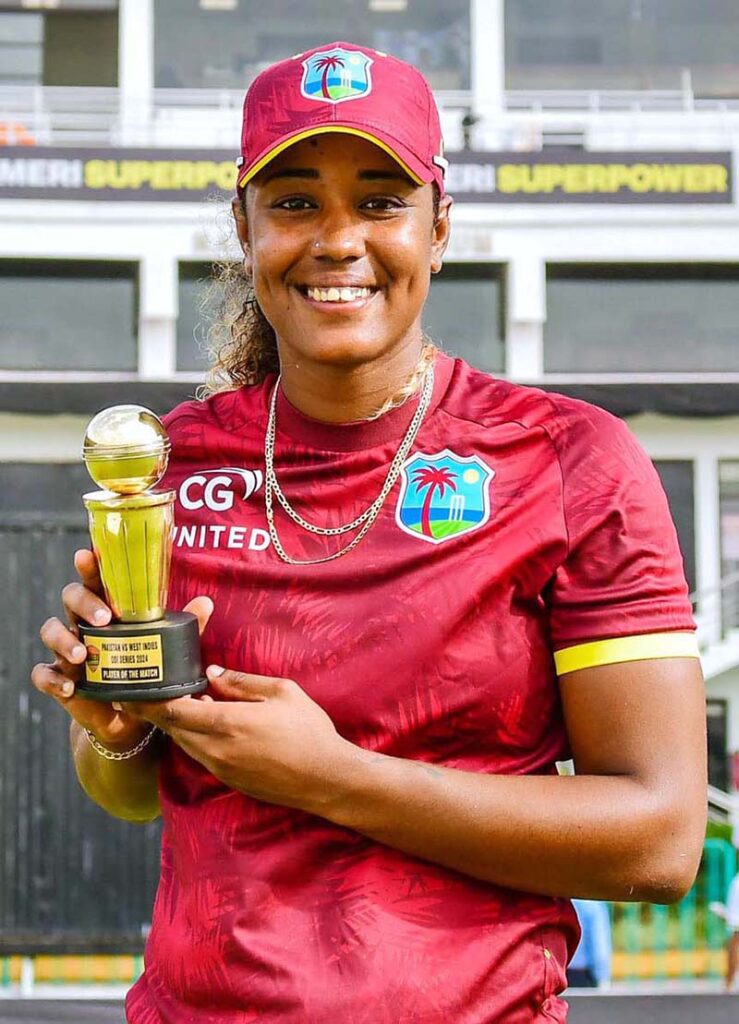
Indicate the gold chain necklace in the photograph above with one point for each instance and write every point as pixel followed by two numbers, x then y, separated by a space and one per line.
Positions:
pixel 272 488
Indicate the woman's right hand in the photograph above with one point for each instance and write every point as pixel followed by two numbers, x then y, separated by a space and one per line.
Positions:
pixel 114 728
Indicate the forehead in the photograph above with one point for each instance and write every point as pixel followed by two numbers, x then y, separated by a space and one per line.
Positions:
pixel 333 153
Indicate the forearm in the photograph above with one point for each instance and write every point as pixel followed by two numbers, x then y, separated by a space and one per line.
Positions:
pixel 597 837
pixel 126 789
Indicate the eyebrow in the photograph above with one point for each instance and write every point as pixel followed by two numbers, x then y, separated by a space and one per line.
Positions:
pixel 311 173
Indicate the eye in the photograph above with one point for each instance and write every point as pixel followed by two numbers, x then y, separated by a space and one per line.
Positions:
pixel 383 204
pixel 297 203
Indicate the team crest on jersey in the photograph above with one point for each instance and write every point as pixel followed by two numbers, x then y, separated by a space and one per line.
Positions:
pixel 333 76
pixel 443 495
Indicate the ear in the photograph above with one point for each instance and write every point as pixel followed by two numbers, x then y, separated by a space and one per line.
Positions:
pixel 440 236
pixel 238 208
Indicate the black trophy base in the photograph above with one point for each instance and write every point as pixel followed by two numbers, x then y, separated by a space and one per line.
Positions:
pixel 142 660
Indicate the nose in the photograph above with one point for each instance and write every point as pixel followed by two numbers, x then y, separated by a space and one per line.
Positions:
pixel 339 236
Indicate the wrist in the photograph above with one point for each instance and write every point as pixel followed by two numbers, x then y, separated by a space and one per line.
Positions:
pixel 120 740
pixel 348 785
pixel 336 792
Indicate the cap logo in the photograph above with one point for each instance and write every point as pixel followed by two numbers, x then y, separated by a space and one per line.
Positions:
pixel 333 76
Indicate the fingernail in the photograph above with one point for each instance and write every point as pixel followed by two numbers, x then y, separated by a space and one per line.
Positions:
pixel 78 651
pixel 215 670
pixel 67 689
pixel 101 616
pixel 116 705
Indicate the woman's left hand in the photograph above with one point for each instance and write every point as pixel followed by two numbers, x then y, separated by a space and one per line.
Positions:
pixel 265 737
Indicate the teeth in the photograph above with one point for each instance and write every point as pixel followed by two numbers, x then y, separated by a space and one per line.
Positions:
pixel 338 294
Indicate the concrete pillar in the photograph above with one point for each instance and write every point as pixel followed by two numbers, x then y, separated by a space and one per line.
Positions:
pixel 487 18
pixel 159 308
pixel 136 70
pixel 526 312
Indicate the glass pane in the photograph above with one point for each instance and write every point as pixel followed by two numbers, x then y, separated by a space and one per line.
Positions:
pixel 642 317
pixel 200 48
pixel 198 306
pixel 464 314
pixel 21 48
pixel 677 480
pixel 21 28
pixel 67 315
pixel 622 44
pixel 729 510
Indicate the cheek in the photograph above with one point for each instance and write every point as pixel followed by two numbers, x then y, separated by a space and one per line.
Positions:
pixel 408 259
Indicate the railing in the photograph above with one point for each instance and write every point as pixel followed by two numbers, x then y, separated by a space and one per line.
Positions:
pixel 527 120
pixel 72 116
pixel 615 100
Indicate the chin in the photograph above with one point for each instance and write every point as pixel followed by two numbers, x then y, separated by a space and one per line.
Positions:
pixel 342 352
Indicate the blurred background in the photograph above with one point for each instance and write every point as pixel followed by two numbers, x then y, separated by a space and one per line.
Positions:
pixel 595 252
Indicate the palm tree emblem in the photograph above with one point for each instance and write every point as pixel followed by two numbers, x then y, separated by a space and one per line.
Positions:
pixel 327 65
pixel 435 479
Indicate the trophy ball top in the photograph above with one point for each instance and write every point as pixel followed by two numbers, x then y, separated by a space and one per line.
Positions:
pixel 126 449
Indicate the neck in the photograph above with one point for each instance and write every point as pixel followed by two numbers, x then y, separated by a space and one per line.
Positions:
pixel 344 394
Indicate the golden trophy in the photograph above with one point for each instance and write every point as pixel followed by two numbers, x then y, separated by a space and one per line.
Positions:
pixel 146 653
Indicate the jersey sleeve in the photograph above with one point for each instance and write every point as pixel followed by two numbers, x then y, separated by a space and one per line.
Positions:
pixel 620 592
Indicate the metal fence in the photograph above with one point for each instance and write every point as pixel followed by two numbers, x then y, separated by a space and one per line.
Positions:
pixel 686 940
pixel 71 877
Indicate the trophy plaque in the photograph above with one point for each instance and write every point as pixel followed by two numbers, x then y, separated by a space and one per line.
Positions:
pixel 146 652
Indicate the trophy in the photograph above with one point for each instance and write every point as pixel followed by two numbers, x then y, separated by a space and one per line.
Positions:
pixel 146 653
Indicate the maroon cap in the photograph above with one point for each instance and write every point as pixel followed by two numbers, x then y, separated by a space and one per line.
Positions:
pixel 343 88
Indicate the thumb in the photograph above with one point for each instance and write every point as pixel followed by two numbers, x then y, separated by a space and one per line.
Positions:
pixel 231 685
pixel 202 609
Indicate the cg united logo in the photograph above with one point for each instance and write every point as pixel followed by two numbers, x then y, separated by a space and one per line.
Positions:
pixel 333 76
pixel 443 495
pixel 216 489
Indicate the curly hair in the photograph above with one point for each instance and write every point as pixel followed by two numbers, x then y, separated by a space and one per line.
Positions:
pixel 240 340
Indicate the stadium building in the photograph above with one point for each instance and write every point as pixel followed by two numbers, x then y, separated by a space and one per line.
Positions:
pixel 595 252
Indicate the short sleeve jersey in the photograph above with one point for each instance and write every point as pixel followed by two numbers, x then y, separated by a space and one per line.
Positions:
pixel 527 534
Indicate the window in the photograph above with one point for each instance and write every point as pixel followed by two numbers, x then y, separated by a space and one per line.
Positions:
pixel 197 47
pixel 464 313
pixel 622 44
pixel 21 48
pixel 60 47
pixel 53 488
pixel 677 479
pixel 729 513
pixel 642 317
pixel 68 315
pixel 718 767
pixel 198 306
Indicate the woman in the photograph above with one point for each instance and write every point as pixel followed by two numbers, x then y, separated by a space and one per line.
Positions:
pixel 450 583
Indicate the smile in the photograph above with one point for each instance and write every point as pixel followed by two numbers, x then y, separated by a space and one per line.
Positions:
pixel 337 294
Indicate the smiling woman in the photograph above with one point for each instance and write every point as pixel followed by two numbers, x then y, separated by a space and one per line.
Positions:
pixel 446 584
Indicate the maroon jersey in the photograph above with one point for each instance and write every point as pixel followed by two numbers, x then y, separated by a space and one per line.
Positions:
pixel 523 524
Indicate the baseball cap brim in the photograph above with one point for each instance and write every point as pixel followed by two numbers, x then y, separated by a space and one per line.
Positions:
pixel 413 167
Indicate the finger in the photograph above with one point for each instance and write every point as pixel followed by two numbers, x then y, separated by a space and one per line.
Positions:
pixel 184 714
pixel 88 570
pixel 83 604
pixel 202 609
pixel 50 681
pixel 55 635
pixel 244 685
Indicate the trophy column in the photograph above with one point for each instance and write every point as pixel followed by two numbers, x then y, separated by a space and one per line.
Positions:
pixel 146 653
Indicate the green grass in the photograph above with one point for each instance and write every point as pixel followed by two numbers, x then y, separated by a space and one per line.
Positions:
pixel 445 529
pixel 338 92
